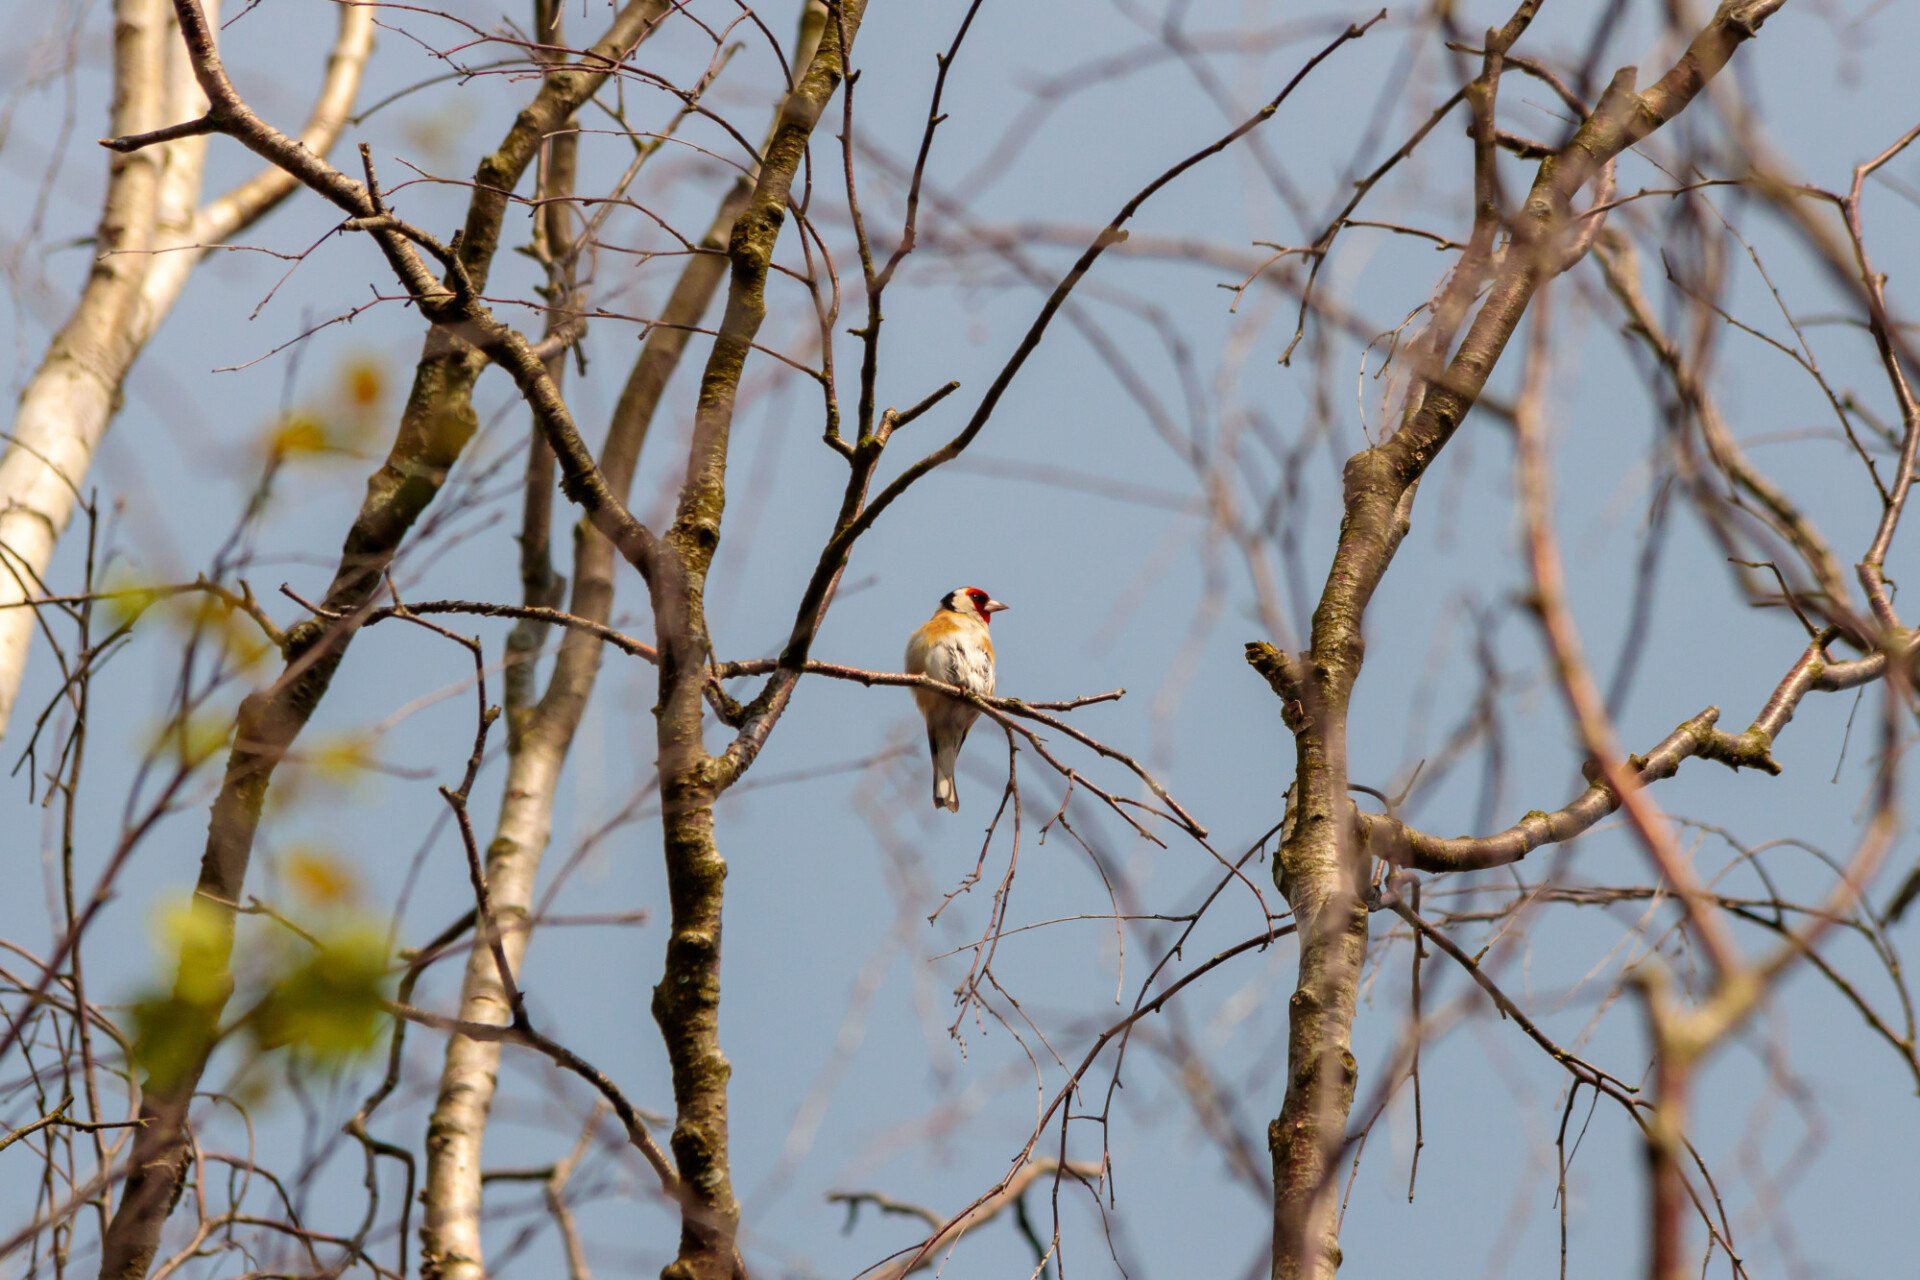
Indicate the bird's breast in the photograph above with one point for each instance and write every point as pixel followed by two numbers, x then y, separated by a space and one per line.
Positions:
pixel 952 651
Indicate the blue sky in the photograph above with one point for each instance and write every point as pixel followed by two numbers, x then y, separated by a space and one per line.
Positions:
pixel 837 989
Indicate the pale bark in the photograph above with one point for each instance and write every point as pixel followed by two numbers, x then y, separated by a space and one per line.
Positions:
pixel 153 233
pixel 72 394
pixel 456 1132
pixel 436 423
pixel 538 743
pixel 450 1227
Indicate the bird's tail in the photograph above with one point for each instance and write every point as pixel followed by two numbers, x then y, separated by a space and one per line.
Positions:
pixel 946 755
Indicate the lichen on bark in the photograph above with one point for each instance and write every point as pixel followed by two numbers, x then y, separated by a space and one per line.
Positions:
pixel 1322 867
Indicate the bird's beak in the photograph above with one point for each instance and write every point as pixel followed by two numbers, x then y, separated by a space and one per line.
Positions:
pixel 993 606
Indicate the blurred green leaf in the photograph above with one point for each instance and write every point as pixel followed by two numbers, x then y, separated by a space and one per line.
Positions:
pixel 192 741
pixel 125 599
pixel 171 1035
pixel 174 1031
pixel 329 1004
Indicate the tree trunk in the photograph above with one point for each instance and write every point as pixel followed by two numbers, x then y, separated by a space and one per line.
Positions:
pixel 1322 868
pixel 450 1230
pixel 72 397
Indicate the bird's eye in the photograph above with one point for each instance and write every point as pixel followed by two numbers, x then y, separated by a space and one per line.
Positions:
pixel 979 597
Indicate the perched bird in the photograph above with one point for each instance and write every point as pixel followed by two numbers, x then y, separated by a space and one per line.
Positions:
pixel 954 648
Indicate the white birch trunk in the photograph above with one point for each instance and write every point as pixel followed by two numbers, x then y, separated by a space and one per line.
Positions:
pixel 456 1133
pixel 151 237
pixel 451 1227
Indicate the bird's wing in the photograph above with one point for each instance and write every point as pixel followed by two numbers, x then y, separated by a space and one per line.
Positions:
pixel 918 644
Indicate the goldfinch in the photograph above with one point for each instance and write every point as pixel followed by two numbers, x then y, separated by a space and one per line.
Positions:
pixel 954 648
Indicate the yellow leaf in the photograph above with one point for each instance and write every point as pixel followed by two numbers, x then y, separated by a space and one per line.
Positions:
pixel 341 759
pixel 175 1029
pixel 193 741
pixel 126 599
pixel 321 878
pixel 301 433
pixel 366 383
pixel 197 935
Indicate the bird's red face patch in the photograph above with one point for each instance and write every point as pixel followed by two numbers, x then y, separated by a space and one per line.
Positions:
pixel 980 600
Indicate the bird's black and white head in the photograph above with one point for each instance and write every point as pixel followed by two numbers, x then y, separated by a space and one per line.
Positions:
pixel 972 602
